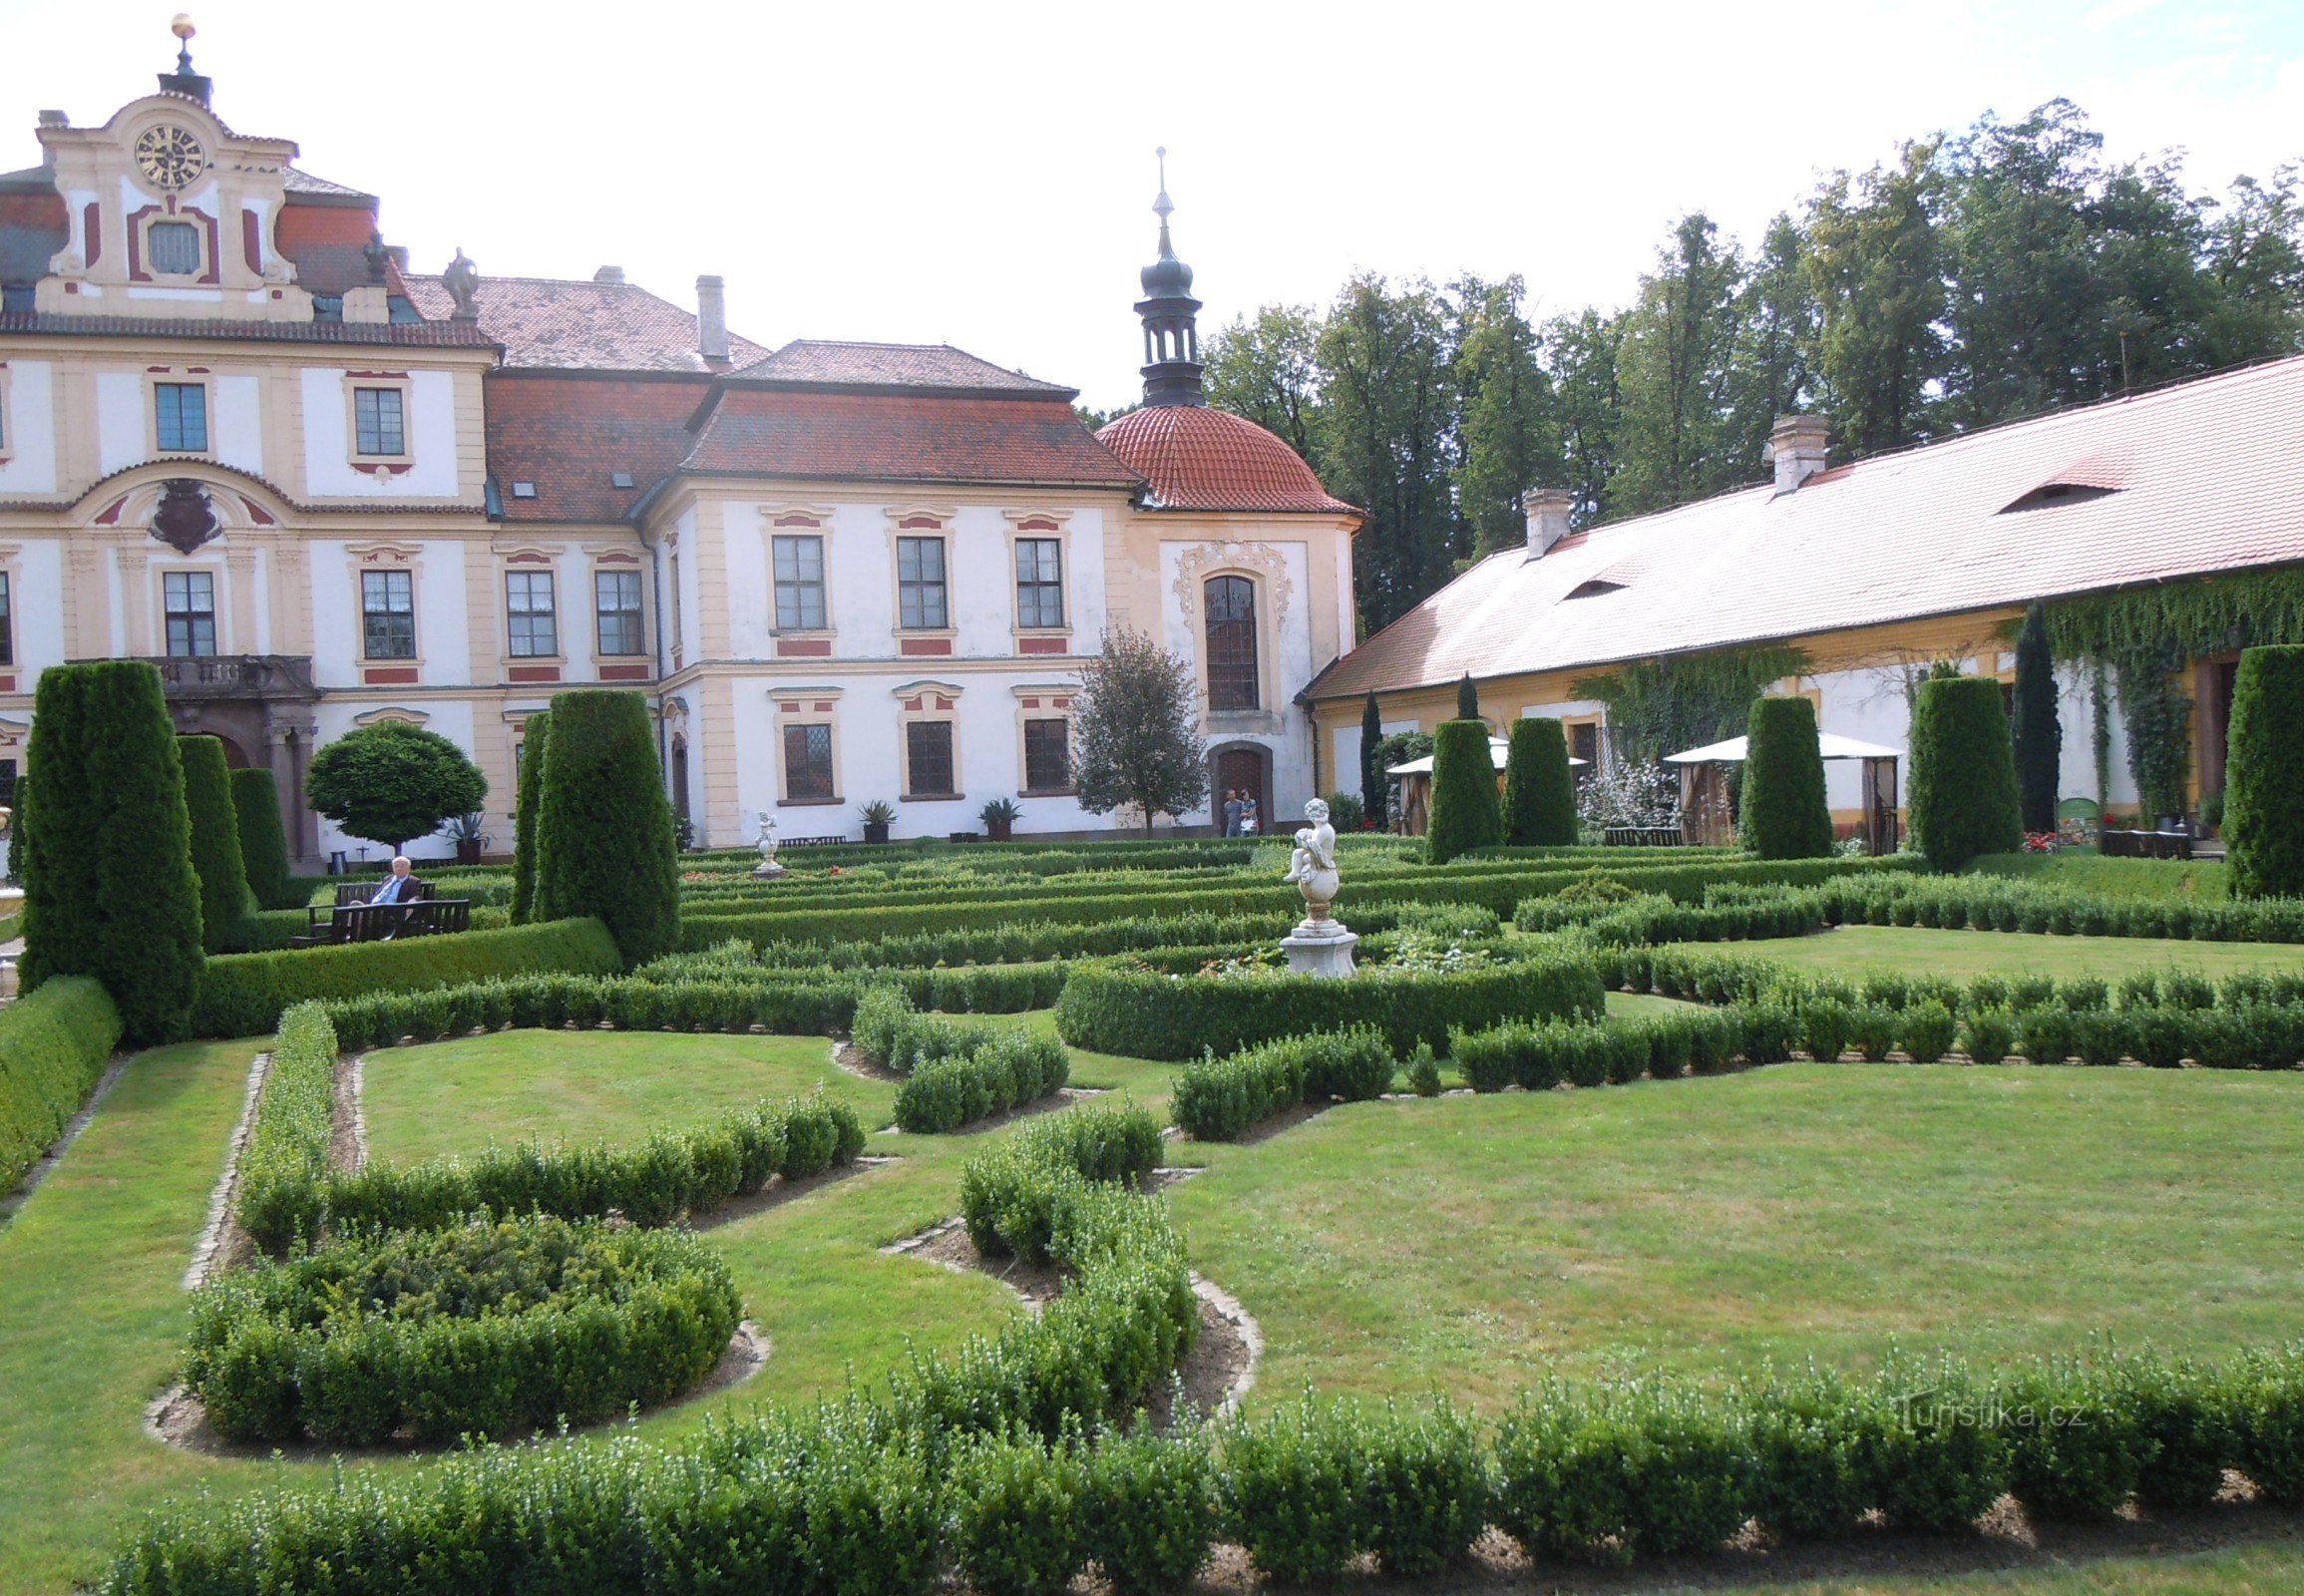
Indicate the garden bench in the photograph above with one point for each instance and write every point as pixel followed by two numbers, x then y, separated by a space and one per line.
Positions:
pixel 1643 837
pixel 810 842
pixel 2121 843
pixel 422 916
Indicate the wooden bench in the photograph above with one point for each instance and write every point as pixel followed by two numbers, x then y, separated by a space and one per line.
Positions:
pixel 2120 842
pixel 354 919
pixel 810 842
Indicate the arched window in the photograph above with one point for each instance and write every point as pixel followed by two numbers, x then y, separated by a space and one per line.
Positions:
pixel 1230 606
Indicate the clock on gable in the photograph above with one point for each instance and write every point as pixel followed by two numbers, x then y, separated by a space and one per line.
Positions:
pixel 169 157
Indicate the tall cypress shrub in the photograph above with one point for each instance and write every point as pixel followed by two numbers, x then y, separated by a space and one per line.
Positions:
pixel 604 825
pixel 536 739
pixel 215 840
pixel 116 898
pixel 1784 813
pixel 52 837
pixel 1467 699
pixel 263 843
pixel 1375 786
pixel 1539 788
pixel 1963 785
pixel 1464 813
pixel 2264 776
pixel 2037 730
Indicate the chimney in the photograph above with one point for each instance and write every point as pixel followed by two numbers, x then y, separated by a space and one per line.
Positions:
pixel 613 274
pixel 1798 444
pixel 1547 511
pixel 712 318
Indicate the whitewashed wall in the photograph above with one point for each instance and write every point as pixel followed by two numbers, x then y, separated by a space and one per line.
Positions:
pixel 29 471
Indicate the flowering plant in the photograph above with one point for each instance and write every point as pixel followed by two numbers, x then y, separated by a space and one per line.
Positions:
pixel 2042 842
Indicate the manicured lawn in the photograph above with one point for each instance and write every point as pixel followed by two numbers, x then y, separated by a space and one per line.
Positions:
pixel 1915 950
pixel 2200 880
pixel 1469 1243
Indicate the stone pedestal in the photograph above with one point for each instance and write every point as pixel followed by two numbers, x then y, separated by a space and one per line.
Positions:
pixel 1320 947
pixel 768 870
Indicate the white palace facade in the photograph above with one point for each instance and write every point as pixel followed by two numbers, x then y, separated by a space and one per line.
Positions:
pixel 239 437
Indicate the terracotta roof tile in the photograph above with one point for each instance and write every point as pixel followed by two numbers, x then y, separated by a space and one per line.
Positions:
pixel 553 323
pixel 2208 476
pixel 830 362
pixel 304 185
pixel 411 334
pixel 902 437
pixel 1199 458
pixel 569 435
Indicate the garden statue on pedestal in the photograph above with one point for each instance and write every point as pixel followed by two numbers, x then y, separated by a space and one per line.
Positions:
pixel 767 869
pixel 1321 945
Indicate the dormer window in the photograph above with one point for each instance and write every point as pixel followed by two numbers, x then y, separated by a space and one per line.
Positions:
pixel 173 249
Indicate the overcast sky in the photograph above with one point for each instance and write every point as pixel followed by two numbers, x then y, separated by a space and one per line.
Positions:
pixel 981 175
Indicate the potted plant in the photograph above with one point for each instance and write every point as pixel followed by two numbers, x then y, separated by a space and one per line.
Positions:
pixel 1000 818
pixel 878 815
pixel 465 832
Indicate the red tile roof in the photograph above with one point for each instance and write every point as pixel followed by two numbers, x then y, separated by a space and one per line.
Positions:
pixel 407 334
pixel 902 437
pixel 828 362
pixel 555 324
pixel 2206 476
pixel 569 435
pixel 328 241
pixel 1200 458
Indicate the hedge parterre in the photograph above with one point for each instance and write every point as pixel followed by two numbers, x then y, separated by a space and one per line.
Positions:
pixel 484 1328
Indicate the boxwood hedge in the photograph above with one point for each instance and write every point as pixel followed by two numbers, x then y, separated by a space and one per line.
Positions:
pixel 54 1046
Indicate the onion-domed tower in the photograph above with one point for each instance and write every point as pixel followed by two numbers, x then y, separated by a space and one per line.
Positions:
pixel 1171 325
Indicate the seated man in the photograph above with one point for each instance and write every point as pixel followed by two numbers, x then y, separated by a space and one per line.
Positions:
pixel 399 887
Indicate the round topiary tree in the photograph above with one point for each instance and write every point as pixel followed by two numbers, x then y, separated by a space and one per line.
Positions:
pixel 604 825
pixel 263 843
pixel 1963 787
pixel 215 840
pixel 2263 825
pixel 1539 787
pixel 2036 730
pixel 535 737
pixel 109 890
pixel 390 782
pixel 264 849
pixel 1464 813
pixel 1784 814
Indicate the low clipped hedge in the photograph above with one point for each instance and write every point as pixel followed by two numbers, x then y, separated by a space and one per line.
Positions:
pixel 481 1330
pixel 797 1003
pixel 943 1094
pixel 54 1044
pixel 289 1197
pixel 244 995
pixel 1029 1197
pixel 1221 1099
pixel 1551 1053
pixel 1143 1014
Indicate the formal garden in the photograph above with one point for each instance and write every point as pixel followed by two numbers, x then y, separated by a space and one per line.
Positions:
pixel 1015 1216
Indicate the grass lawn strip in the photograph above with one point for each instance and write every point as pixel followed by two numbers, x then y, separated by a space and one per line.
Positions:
pixel 11 1203
pixel 1963 955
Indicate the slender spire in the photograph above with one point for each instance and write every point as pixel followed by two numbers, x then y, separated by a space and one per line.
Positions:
pixel 1170 330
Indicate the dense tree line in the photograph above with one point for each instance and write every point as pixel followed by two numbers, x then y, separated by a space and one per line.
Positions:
pixel 1974 278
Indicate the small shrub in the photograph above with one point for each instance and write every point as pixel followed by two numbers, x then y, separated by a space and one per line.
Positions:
pixel 1928 1032
pixel 1990 1035
pixel 1014 1520
pixel 1148 1508
pixel 1424 1488
pixel 1292 1490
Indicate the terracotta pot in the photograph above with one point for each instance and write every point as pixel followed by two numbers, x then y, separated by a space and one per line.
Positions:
pixel 467 852
pixel 999 830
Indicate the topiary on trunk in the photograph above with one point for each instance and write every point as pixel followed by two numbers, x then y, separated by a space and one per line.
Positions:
pixel 2037 731
pixel 1963 787
pixel 604 825
pixel 390 782
pixel 1375 786
pixel 1539 788
pixel 1467 699
pixel 215 840
pixel 1784 814
pixel 1464 812
pixel 108 885
pixel 2264 774
pixel 263 843
pixel 536 738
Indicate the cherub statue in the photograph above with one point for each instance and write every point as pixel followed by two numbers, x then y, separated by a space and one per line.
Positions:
pixel 1313 865
pixel 462 280
pixel 767 869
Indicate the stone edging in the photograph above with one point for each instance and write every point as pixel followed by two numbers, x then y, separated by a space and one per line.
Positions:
pixel 1228 1307
pixel 219 1220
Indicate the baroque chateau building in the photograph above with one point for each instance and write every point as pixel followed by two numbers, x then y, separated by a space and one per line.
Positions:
pixel 242 438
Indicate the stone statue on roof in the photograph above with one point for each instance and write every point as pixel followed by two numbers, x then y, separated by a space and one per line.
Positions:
pixel 462 280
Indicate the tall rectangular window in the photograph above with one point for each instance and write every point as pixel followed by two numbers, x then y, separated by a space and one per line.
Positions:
pixel 1231 606
pixel 928 758
pixel 180 416
pixel 920 585
pixel 388 614
pixel 808 763
pixel 535 628
pixel 378 422
pixel 1048 755
pixel 1039 582
pixel 799 583
pixel 617 602
pixel 7 623
pixel 175 247
pixel 189 599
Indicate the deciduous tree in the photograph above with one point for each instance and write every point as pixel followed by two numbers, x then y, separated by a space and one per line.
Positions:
pixel 390 782
pixel 1137 725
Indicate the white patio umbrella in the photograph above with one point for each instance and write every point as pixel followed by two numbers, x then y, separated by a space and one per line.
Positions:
pixel 1829 745
pixel 1499 751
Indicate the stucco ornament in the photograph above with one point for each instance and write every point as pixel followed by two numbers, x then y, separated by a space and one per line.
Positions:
pixel 1321 945
pixel 768 869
